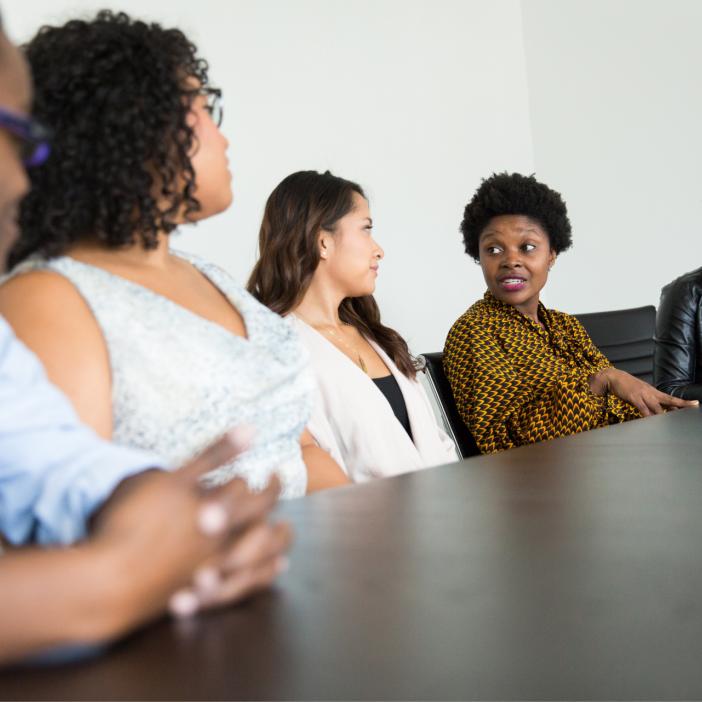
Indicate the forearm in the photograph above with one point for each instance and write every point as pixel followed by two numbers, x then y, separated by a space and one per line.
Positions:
pixel 62 596
pixel 600 382
pixel 322 470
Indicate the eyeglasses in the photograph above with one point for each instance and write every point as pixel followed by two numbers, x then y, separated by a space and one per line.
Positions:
pixel 32 138
pixel 214 104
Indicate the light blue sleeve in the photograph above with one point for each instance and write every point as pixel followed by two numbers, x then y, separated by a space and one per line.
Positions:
pixel 54 471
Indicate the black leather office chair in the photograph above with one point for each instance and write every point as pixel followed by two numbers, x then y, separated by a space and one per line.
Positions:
pixel 433 367
pixel 625 337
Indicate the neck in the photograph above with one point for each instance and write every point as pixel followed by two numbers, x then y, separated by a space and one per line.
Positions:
pixel 320 305
pixel 132 255
pixel 531 310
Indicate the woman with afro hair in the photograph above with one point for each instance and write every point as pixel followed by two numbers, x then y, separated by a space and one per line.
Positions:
pixel 521 373
pixel 156 349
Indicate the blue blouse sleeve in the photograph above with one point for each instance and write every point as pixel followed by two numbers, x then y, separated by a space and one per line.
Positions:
pixel 54 471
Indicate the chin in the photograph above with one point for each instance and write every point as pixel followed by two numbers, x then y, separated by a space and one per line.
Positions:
pixel 211 209
pixel 502 296
pixel 361 292
pixel 226 200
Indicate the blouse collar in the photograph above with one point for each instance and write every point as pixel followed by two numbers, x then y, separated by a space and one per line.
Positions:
pixel 506 309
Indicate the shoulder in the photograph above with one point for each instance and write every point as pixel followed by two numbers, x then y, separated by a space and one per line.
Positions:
pixel 212 270
pixel 688 285
pixel 227 284
pixel 476 320
pixel 39 301
pixel 40 287
pixel 567 324
pixel 563 319
pixel 217 275
pixel 300 327
pixel 315 344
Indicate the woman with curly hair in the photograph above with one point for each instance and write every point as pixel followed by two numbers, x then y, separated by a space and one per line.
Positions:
pixel 521 373
pixel 156 349
pixel 318 264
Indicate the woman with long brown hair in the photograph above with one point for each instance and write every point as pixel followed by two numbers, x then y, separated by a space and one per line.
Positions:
pixel 318 265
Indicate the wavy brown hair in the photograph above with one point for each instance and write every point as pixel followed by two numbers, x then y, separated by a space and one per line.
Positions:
pixel 299 207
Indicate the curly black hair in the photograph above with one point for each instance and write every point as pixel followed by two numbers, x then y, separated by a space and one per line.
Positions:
pixel 515 194
pixel 116 94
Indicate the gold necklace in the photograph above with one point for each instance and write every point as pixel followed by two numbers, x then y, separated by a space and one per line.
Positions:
pixel 354 351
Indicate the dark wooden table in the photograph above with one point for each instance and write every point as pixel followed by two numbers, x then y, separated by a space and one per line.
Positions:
pixel 565 570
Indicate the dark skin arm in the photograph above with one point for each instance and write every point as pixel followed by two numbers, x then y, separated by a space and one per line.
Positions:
pixel 140 560
pixel 643 396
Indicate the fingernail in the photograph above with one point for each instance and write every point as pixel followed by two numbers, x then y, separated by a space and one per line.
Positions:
pixel 212 519
pixel 183 603
pixel 206 580
pixel 282 565
pixel 242 437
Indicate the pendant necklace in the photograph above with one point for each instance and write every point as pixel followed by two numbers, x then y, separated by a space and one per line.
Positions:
pixel 353 350
pixel 330 332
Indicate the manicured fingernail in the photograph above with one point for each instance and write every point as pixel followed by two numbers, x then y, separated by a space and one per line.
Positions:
pixel 212 519
pixel 242 437
pixel 183 603
pixel 206 580
pixel 282 565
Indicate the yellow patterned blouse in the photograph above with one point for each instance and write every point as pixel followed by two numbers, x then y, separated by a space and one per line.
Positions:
pixel 516 383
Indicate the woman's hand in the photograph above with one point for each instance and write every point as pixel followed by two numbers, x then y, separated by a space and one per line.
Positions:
pixel 636 392
pixel 160 541
pixel 187 546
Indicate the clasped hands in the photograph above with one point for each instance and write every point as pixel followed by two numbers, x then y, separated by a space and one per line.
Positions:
pixel 186 547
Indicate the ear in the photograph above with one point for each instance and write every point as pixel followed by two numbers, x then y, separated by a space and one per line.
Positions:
pixel 324 244
pixel 552 259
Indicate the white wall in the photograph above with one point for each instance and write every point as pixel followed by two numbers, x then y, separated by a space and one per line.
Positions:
pixel 416 100
pixel 616 113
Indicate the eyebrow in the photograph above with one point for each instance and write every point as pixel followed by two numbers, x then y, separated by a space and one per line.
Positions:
pixel 369 220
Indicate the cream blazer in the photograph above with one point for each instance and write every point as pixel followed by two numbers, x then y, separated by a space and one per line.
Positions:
pixel 353 421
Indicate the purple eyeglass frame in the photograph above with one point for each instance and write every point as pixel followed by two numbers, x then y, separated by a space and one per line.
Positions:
pixel 33 137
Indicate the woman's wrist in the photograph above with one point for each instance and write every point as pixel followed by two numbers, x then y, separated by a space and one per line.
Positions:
pixel 600 382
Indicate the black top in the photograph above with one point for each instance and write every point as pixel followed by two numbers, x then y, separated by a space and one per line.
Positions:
pixel 677 367
pixel 389 387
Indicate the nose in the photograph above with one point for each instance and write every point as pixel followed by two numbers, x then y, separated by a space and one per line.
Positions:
pixel 379 253
pixel 511 259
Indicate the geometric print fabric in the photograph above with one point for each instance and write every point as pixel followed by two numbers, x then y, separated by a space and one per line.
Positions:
pixel 517 383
